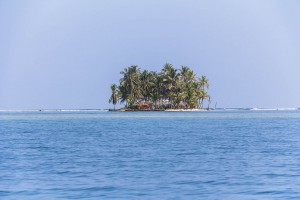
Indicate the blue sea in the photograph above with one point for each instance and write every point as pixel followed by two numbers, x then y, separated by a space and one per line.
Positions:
pixel 150 155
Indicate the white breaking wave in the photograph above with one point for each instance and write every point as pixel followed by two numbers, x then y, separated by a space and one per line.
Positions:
pixel 82 110
pixel 274 109
pixel 57 110
pixel 288 108
pixel 19 110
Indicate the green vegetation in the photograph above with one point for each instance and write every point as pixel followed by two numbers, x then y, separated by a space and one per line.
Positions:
pixel 114 98
pixel 170 88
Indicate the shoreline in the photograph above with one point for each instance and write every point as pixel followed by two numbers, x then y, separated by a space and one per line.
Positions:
pixel 187 110
pixel 160 110
pixel 147 110
pixel 204 109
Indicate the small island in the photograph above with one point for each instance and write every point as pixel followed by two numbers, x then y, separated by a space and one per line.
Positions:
pixel 168 90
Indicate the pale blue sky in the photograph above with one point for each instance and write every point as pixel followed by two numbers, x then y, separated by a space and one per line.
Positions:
pixel 66 53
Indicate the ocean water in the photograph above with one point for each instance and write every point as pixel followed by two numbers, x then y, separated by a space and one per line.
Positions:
pixel 150 155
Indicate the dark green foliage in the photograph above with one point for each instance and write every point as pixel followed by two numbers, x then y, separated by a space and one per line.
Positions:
pixel 170 88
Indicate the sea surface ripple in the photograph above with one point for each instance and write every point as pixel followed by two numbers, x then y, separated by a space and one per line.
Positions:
pixel 150 155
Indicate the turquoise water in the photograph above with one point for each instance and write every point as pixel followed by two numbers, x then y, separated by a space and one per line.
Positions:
pixel 150 155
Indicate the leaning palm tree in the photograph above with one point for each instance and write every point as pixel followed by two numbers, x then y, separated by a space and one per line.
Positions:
pixel 202 97
pixel 209 102
pixel 114 98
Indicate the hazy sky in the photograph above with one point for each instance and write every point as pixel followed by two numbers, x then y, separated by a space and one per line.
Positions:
pixel 66 53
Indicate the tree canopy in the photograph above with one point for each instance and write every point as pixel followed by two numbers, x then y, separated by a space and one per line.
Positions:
pixel 169 88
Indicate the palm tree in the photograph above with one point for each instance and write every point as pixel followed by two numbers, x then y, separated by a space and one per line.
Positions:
pixel 187 75
pixel 170 79
pixel 209 102
pixel 188 78
pixel 204 82
pixel 114 98
pixel 130 86
pixel 147 82
pixel 159 90
pixel 202 97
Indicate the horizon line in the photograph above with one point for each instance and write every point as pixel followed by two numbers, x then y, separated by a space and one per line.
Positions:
pixel 104 109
